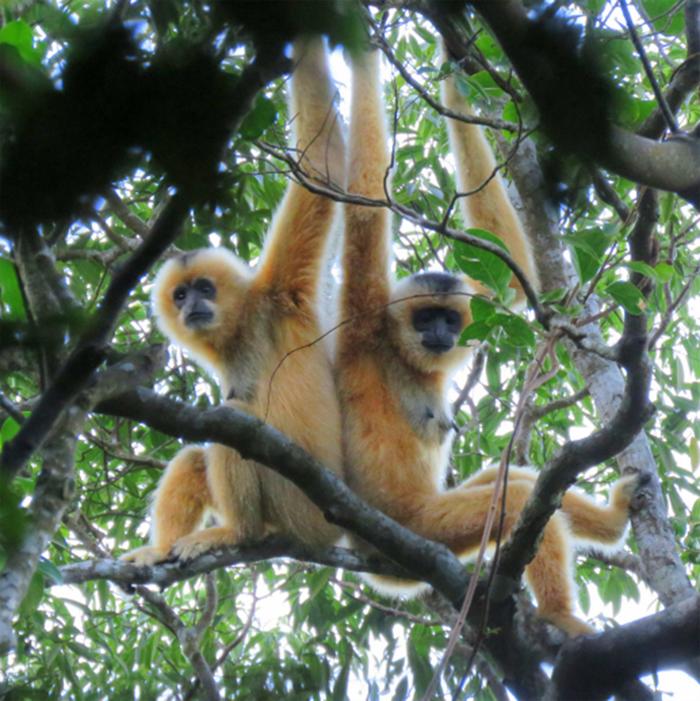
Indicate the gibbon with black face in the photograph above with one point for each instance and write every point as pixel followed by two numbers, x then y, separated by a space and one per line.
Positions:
pixel 241 323
pixel 396 356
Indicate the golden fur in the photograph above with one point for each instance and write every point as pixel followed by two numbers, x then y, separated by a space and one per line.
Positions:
pixel 396 419
pixel 258 317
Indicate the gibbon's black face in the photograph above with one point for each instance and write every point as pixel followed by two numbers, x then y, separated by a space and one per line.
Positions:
pixel 194 299
pixel 439 328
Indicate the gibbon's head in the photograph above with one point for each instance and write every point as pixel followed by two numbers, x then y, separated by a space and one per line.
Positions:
pixel 197 299
pixel 427 314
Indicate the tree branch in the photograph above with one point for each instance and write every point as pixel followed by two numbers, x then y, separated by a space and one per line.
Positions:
pixel 274 546
pixel 665 639
pixel 55 488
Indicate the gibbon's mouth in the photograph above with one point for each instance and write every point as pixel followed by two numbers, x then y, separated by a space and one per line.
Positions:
pixel 199 318
pixel 437 347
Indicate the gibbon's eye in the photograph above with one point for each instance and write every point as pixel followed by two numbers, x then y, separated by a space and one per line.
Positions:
pixel 453 319
pixel 205 287
pixel 180 295
pixel 422 318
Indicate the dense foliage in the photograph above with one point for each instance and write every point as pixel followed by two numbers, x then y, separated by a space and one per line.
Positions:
pixel 100 127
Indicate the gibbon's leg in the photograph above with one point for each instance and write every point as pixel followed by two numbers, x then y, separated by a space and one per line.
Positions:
pixel 180 501
pixel 598 524
pixel 604 525
pixel 235 498
pixel 456 518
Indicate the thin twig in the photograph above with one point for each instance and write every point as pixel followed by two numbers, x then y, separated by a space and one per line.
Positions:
pixel 665 109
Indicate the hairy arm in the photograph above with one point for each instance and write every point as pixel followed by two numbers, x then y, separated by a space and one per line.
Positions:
pixel 489 208
pixel 297 242
pixel 366 286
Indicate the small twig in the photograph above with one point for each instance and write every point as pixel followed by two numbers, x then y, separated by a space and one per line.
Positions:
pixel 441 109
pixel 607 194
pixel 665 109
pixel 478 360
pixel 355 592
pixel 11 409
pixel 668 315
pixel 541 313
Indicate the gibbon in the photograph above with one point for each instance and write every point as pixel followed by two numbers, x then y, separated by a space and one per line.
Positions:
pixel 241 323
pixel 396 355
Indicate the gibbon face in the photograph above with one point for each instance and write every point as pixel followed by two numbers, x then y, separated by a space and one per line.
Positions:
pixel 196 295
pixel 427 315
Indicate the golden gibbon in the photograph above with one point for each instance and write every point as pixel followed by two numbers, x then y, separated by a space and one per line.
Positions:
pixel 396 356
pixel 241 323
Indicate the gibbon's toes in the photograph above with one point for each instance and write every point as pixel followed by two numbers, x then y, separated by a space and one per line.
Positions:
pixel 145 557
pixel 195 544
pixel 568 623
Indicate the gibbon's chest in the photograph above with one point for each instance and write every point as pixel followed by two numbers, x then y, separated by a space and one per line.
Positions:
pixel 271 354
pixel 422 403
pixel 395 438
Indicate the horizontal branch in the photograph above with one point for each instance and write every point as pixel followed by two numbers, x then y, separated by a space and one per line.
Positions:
pixel 168 573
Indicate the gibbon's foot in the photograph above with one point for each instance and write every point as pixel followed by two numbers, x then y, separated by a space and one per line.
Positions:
pixel 568 623
pixel 195 544
pixel 146 556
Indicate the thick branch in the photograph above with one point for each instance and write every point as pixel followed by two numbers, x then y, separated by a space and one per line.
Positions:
pixel 666 639
pixel 89 353
pixel 685 79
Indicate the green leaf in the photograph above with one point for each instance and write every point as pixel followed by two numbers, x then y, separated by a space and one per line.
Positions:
pixel 50 571
pixel 10 428
pixel 661 272
pixel 482 308
pixel 517 329
pixel 482 265
pixel 664 272
pixel 628 295
pixel 659 12
pixel 10 292
pixel 694 453
pixel 33 596
pixel 477 331
pixel 13 518
pixel 19 34
pixel 259 118
pixel 588 248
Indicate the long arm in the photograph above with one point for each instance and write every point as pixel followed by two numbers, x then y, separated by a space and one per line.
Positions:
pixel 489 208
pixel 297 241
pixel 367 234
